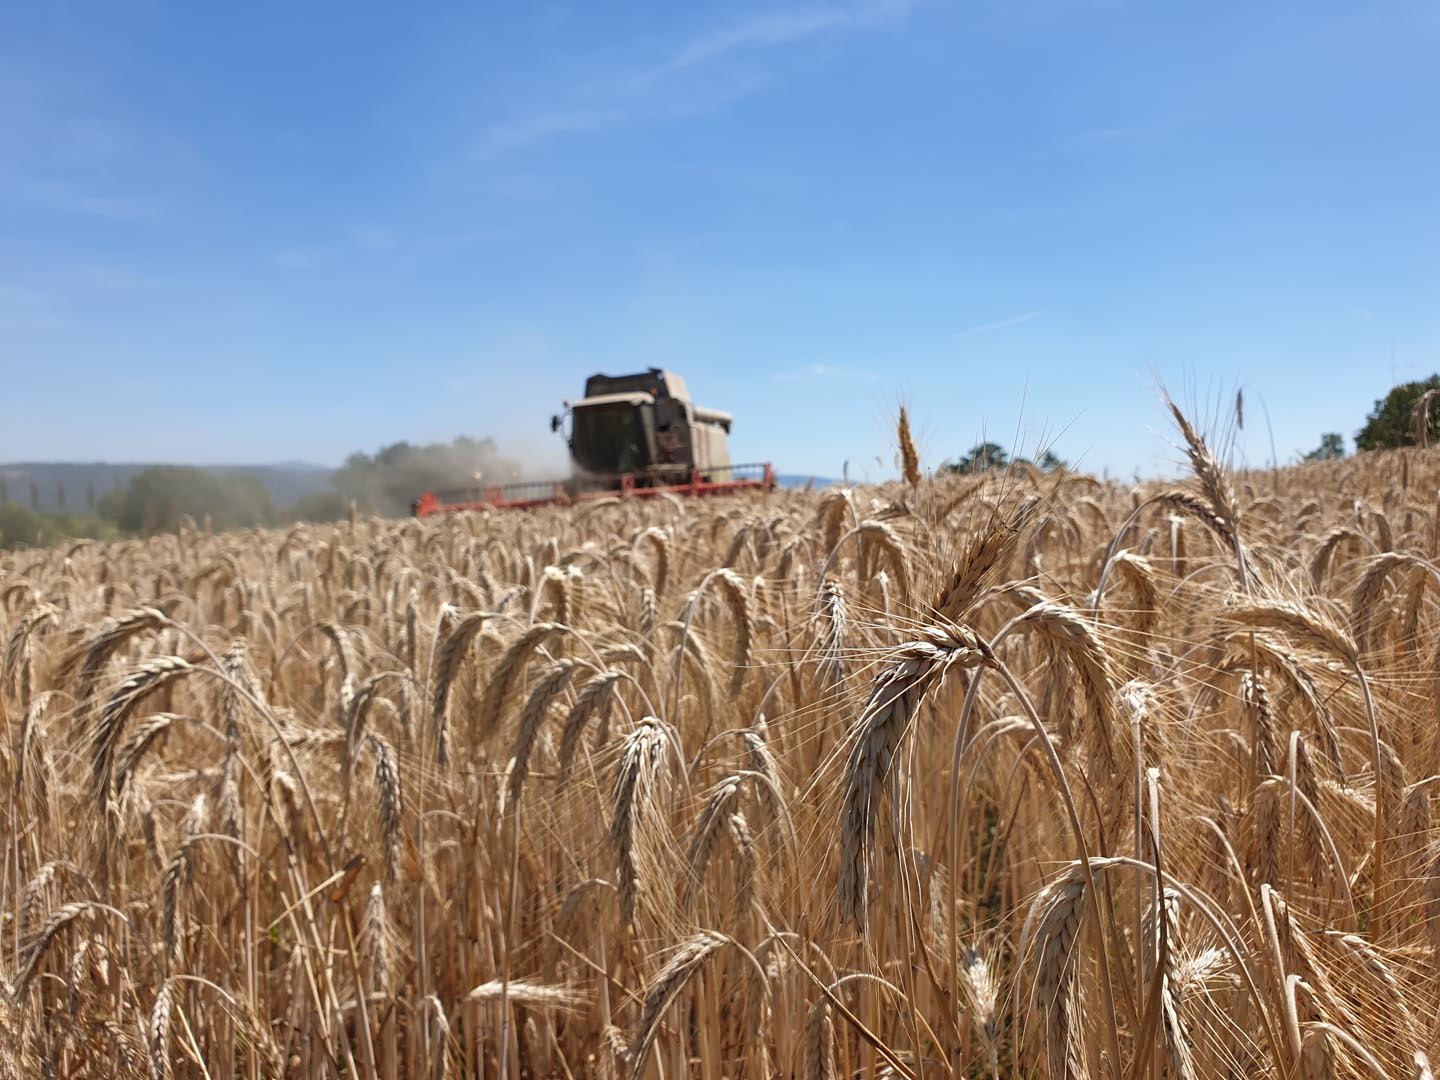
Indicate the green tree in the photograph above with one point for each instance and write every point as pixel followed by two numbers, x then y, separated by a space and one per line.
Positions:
pixel 60 495
pixel 34 496
pixel 21 525
pixel 1331 448
pixel 1392 422
pixel 4 490
pixel 1049 462
pixel 90 495
pixel 983 457
pixel 156 499
pixel 18 525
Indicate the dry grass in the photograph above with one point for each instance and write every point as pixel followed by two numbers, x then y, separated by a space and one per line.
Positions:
pixel 964 777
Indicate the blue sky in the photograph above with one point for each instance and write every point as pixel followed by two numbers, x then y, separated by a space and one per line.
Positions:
pixel 258 232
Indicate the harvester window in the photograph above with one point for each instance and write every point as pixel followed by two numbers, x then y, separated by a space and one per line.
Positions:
pixel 609 439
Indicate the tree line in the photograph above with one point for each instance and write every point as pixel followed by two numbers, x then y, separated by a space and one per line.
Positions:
pixel 988 456
pixel 163 497
pixel 1409 415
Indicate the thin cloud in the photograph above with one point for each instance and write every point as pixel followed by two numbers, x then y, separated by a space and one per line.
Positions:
pixel 64 198
pixel 297 258
pixel 374 240
pixel 25 312
pixel 1096 138
pixel 547 125
pixel 824 371
pixel 999 324
pixel 767 31
pixel 374 237
pixel 655 91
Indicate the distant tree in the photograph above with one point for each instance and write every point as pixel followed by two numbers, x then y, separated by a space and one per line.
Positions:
pixel 21 525
pixel 156 499
pixel 983 457
pixel 4 490
pixel 34 495
pixel 60 495
pixel 18 525
pixel 400 473
pixel 1331 448
pixel 90 495
pixel 319 506
pixel 1050 463
pixel 1392 422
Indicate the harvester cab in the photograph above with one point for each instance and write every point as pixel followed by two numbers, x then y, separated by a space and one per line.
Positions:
pixel 632 435
pixel 647 427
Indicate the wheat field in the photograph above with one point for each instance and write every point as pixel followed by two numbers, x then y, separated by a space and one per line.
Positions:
pixel 1017 775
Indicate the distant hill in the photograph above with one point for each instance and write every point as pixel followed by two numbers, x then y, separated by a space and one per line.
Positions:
pixel 84 483
pixel 794 480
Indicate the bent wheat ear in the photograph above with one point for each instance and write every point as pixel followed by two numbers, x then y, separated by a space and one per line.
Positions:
pixel 1304 624
pixel 526 992
pixel 910 672
pixel 150 732
pixel 551 685
pixel 514 659
pixel 713 819
pixel 984 557
pixel 737 600
pixel 666 987
pixel 451 653
pixel 1049 938
pixel 113 633
pixel 110 727
pixel 39 945
pixel 592 700
pixel 638 774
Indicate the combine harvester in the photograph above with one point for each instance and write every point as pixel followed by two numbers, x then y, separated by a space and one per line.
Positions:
pixel 635 436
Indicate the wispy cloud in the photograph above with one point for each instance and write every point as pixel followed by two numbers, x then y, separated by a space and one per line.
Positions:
pixel 24 312
pixel 998 324
pixel 1096 138
pixel 298 258
pixel 685 81
pixel 374 237
pixel 541 126
pixel 373 241
pixel 68 147
pixel 66 198
pixel 824 371
pixel 768 30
